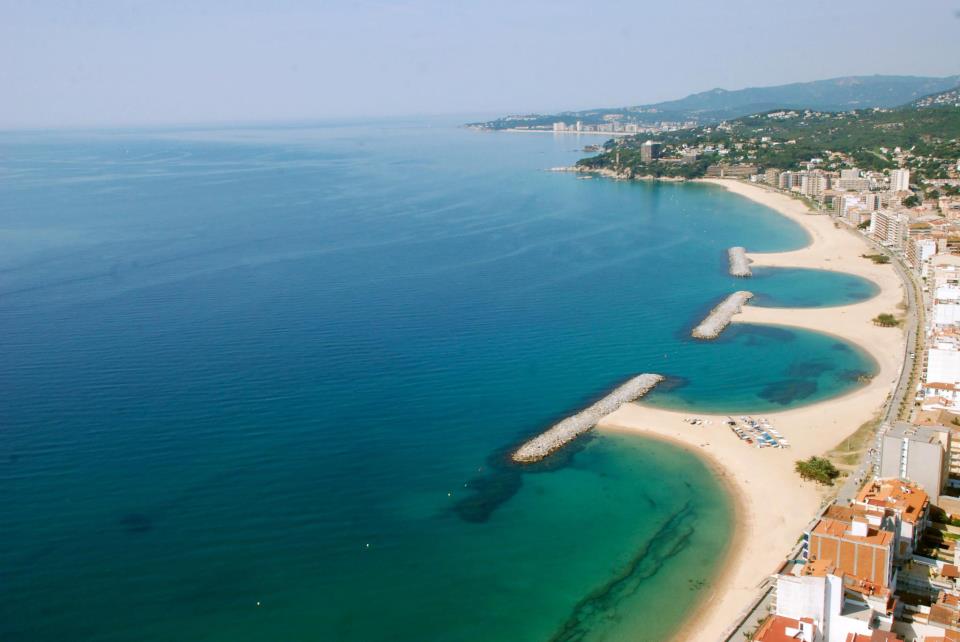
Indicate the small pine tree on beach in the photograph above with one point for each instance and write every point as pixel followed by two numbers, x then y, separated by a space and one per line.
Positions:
pixel 819 469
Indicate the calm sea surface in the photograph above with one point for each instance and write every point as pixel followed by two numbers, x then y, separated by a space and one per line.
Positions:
pixel 257 384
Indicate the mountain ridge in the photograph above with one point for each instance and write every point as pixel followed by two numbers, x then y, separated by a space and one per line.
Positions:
pixel 832 94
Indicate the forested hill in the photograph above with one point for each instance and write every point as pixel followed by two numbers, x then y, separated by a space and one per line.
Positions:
pixel 835 94
pixel 787 139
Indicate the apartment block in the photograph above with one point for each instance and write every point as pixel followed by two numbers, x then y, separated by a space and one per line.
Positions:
pixel 916 453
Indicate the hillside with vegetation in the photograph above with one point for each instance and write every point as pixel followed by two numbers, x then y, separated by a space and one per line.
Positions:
pixel 929 129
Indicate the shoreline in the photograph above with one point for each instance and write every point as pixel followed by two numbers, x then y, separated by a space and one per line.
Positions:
pixel 736 545
pixel 762 482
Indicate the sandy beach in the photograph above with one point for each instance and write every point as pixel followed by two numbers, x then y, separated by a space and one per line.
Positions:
pixel 773 504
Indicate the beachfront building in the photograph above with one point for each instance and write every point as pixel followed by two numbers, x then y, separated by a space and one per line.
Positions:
pixel 889 228
pixel 784 629
pixel 905 500
pixel 863 552
pixel 836 603
pixel 814 183
pixel 920 250
pixel 785 180
pixel 917 454
pixel 731 170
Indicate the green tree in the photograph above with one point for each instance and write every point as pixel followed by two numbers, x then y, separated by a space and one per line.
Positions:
pixel 819 469
pixel 886 320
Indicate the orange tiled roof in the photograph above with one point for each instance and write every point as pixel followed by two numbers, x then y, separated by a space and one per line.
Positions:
pixel 818 568
pixel 836 528
pixel 905 497
pixel 775 629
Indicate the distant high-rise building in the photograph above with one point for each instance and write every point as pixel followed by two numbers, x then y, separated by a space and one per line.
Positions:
pixel 650 151
pixel 814 183
pixel 900 180
pixel 579 126
pixel 785 180
pixel 889 228
pixel 850 181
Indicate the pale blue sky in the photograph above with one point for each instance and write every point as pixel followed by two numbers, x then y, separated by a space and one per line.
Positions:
pixel 119 62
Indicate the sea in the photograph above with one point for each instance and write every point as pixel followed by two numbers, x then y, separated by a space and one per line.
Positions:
pixel 260 383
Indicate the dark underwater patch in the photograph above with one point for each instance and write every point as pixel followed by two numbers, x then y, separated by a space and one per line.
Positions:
pixel 852 376
pixel 487 492
pixel 814 368
pixel 135 523
pixel 787 391
pixel 600 605
pixel 759 335
pixel 670 384
pixel 840 347
pixel 502 478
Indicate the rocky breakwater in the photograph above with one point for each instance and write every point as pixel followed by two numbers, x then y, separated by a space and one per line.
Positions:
pixel 739 263
pixel 719 317
pixel 572 427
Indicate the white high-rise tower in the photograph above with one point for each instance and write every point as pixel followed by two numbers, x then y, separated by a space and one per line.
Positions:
pixel 900 180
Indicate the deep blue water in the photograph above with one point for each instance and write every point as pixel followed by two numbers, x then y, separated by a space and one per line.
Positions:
pixel 281 365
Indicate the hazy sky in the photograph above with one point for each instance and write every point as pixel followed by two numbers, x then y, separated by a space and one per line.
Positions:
pixel 166 61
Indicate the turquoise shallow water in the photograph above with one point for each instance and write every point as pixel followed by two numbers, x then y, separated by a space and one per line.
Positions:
pixel 799 288
pixel 282 366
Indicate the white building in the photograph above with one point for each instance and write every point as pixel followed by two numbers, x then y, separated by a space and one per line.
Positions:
pixel 899 180
pixel 889 228
pixel 815 590
pixel 947 294
pixel 916 453
pixel 945 314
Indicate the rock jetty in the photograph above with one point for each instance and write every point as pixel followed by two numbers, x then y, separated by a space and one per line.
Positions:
pixel 739 263
pixel 572 427
pixel 719 317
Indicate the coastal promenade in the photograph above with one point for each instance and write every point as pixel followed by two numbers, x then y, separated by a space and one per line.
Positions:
pixel 772 504
pixel 852 483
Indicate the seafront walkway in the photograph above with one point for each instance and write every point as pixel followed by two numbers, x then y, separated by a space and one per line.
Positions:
pixel 854 481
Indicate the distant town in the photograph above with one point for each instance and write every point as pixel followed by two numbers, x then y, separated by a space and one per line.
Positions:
pixel 614 125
